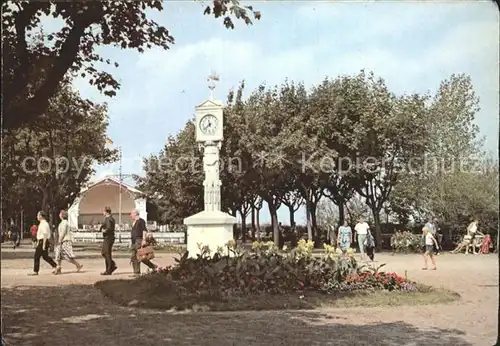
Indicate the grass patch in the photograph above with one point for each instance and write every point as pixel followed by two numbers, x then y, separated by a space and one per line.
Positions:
pixel 155 292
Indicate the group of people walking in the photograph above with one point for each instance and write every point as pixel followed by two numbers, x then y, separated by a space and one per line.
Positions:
pixel 366 242
pixel 140 241
pixel 361 235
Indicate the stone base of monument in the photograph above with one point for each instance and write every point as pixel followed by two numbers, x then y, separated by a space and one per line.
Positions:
pixel 208 228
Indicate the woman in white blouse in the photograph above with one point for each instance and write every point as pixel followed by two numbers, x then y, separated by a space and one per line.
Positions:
pixel 64 246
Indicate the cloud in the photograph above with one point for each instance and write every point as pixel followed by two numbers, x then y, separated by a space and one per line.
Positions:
pixel 234 60
pixel 224 54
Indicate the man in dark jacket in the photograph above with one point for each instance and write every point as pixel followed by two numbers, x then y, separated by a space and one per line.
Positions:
pixel 138 238
pixel 108 236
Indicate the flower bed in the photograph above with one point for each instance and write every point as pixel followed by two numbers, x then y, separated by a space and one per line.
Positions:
pixel 266 270
pixel 371 281
pixel 266 278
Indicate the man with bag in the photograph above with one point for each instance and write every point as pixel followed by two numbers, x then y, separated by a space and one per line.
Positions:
pixel 141 244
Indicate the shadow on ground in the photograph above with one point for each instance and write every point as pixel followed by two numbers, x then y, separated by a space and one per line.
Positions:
pixel 80 315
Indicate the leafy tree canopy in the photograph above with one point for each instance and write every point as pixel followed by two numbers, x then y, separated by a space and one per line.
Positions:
pixel 72 50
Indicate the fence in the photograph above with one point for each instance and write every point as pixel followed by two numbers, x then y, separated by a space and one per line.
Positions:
pixel 161 237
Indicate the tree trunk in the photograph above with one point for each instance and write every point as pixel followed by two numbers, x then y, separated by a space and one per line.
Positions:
pixel 274 221
pixel 292 215
pixel 45 200
pixel 253 222
pixel 378 231
pixel 257 222
pixel 309 224
pixel 314 224
pixel 233 212
pixel 243 227
pixel 341 207
pixel 349 214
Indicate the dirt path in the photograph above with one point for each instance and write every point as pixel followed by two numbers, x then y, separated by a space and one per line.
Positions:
pixel 66 310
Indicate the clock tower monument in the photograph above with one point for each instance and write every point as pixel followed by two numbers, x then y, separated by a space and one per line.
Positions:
pixel 211 227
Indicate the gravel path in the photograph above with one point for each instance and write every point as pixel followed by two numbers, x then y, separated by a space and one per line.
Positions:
pixel 67 310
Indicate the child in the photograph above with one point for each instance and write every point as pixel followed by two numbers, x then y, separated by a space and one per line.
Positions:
pixel 430 245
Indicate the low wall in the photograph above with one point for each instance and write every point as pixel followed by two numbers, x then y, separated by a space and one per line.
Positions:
pixel 124 237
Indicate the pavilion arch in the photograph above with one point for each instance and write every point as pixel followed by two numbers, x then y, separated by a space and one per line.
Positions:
pixel 88 207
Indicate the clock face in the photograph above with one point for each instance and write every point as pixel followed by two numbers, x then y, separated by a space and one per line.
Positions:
pixel 208 124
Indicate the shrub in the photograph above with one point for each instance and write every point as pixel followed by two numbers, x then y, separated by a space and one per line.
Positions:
pixel 264 269
pixel 406 242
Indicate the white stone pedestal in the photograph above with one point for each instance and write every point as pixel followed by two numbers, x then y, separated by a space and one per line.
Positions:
pixel 208 228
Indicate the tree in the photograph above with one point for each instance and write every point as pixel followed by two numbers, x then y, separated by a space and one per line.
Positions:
pixel 333 122
pixel 48 162
pixel 327 214
pixel 431 185
pixel 356 208
pixel 265 126
pixel 174 178
pixel 88 25
pixel 300 146
pixel 293 201
pixel 237 186
pixel 374 133
pixel 463 195
pixel 256 208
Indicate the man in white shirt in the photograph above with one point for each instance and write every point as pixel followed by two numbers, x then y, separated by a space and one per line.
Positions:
pixel 361 230
pixel 43 243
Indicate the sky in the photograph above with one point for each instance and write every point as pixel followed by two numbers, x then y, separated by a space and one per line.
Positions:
pixel 412 45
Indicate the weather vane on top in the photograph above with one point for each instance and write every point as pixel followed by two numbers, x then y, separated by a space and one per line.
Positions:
pixel 212 79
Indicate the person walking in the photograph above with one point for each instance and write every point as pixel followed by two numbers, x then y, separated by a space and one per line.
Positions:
pixel 108 239
pixel 64 244
pixel 344 238
pixel 139 239
pixel 370 245
pixel 15 235
pixel 33 230
pixel 361 231
pixel 430 244
pixel 42 248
